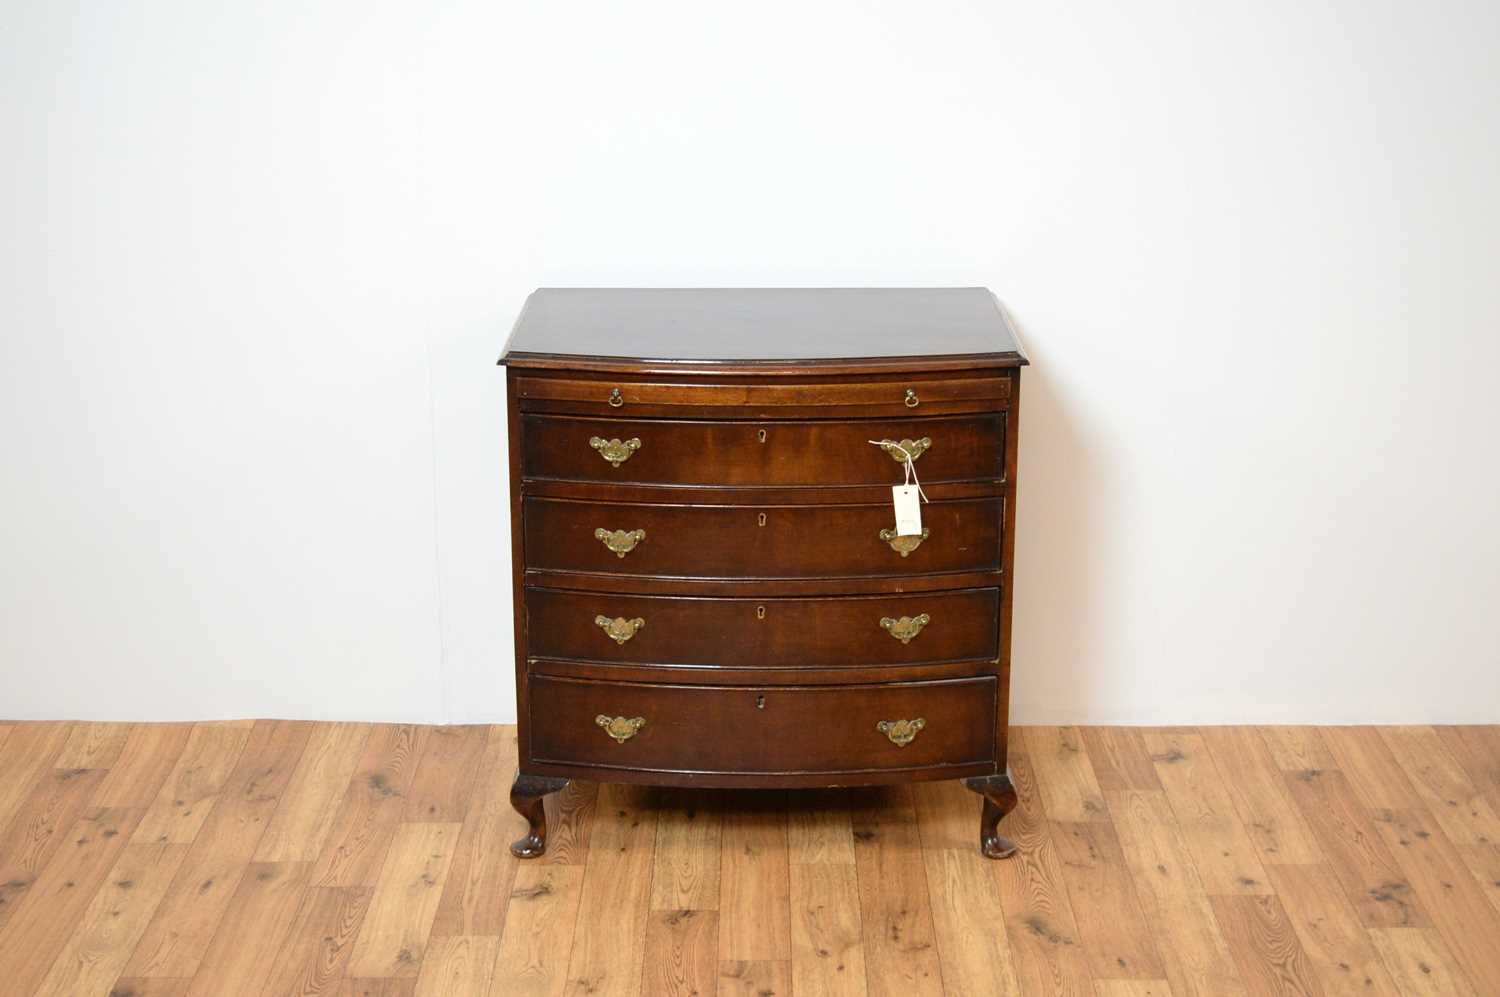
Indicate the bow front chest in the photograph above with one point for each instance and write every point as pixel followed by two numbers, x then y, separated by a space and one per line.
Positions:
pixel 710 585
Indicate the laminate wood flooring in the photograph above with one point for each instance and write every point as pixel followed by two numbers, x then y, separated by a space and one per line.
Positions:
pixel 171 860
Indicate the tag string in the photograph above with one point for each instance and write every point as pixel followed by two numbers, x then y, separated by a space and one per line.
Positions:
pixel 911 469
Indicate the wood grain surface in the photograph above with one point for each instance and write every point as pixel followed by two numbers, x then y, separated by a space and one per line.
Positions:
pixel 357 859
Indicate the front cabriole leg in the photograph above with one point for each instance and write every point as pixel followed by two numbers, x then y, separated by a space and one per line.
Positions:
pixel 999 799
pixel 526 796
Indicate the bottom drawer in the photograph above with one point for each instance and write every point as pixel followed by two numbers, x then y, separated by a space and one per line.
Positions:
pixel 761 730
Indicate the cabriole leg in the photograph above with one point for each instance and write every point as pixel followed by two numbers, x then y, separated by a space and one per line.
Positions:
pixel 999 799
pixel 526 796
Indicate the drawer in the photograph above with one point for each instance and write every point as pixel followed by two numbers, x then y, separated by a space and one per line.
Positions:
pixel 762 399
pixel 750 542
pixel 762 730
pixel 761 454
pixel 764 633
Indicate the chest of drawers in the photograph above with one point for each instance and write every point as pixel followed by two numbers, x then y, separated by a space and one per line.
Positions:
pixel 709 588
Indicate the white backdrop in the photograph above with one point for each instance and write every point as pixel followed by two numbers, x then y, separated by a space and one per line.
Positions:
pixel 258 261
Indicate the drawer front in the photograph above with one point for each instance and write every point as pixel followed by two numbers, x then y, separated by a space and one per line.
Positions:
pixel 750 454
pixel 762 399
pixel 742 542
pixel 764 633
pixel 772 729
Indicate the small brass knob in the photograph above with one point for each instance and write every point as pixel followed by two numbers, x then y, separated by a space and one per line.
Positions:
pixel 615 398
pixel 911 398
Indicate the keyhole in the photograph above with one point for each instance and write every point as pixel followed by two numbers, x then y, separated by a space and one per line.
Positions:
pixel 760 612
pixel 761 519
pixel 760 702
pixel 760 434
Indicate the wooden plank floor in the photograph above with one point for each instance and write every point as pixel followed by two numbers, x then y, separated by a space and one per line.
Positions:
pixel 357 859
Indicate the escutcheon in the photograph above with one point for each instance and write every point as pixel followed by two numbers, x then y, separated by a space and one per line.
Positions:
pixel 904 545
pixel 616 452
pixel 906 627
pixel 621 729
pixel 619 629
pixel 901 732
pixel 622 542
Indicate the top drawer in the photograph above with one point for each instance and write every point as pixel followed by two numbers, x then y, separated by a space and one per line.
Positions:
pixel 763 400
pixel 824 453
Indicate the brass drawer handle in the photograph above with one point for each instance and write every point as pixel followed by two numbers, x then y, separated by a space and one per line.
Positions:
pixel 616 452
pixel 622 542
pixel 615 398
pixel 619 629
pixel 914 447
pixel 905 628
pixel 904 545
pixel 901 732
pixel 911 398
pixel 621 729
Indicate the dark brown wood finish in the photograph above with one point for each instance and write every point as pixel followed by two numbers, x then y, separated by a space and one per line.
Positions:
pixel 829 632
pixel 644 494
pixel 730 633
pixel 526 795
pixel 814 541
pixel 761 454
pixel 762 729
pixel 739 587
pixel 808 329
pixel 999 794
pixel 681 397
pixel 609 671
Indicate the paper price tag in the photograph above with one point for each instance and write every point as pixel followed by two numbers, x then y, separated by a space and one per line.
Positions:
pixel 908 510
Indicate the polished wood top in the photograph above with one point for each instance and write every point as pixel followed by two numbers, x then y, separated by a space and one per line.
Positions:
pixel 761 330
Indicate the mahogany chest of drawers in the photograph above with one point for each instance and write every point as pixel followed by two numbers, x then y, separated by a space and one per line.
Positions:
pixel 709 586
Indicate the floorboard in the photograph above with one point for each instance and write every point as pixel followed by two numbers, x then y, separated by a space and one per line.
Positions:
pixel 609 936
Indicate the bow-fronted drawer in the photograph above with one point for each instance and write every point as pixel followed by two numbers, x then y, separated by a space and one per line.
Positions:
pixel 941 729
pixel 748 543
pixel 752 454
pixel 695 633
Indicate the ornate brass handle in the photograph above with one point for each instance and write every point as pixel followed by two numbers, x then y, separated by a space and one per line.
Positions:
pixel 622 542
pixel 901 732
pixel 904 545
pixel 910 399
pixel 616 452
pixel 619 629
pixel 914 447
pixel 621 729
pixel 615 398
pixel 905 628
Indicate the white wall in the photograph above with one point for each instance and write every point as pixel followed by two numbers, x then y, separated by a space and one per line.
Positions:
pixel 258 260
